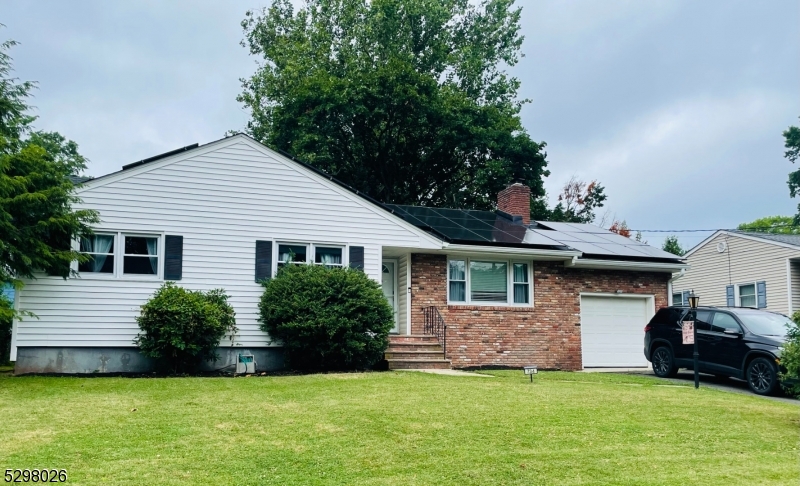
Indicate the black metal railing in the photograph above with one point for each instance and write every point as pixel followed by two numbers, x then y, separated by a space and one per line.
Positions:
pixel 434 324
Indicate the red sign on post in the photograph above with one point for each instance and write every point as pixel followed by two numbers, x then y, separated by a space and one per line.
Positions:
pixel 688 332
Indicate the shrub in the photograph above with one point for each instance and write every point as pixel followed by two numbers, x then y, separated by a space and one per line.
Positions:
pixel 6 313
pixel 182 328
pixel 790 358
pixel 326 318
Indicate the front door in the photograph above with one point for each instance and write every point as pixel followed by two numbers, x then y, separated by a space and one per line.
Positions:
pixel 389 284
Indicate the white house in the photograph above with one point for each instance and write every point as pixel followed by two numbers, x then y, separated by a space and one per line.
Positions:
pixel 226 214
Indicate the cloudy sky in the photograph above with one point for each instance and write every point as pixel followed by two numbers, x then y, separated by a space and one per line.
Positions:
pixel 677 107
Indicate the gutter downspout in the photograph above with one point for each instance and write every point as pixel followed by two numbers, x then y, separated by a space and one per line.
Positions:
pixel 669 285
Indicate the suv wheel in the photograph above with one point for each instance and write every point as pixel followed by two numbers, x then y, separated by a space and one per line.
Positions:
pixel 762 377
pixel 663 363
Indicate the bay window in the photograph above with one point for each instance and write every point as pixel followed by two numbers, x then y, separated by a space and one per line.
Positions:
pixel 488 282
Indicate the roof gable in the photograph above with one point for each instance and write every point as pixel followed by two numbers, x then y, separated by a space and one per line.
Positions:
pixel 783 241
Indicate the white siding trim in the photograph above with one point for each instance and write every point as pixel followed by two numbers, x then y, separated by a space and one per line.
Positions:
pixel 14 326
pixel 407 290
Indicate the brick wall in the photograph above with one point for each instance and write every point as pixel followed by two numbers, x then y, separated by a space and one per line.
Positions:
pixel 547 334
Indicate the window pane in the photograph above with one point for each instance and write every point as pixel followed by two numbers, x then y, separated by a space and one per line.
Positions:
pixel 458 291
pixel 140 245
pixel 521 293
pixel 724 321
pixel 98 244
pixel 488 282
pixel 138 265
pixel 98 264
pixel 328 256
pixel 747 295
pixel 458 270
pixel 520 273
pixel 677 299
pixel 293 253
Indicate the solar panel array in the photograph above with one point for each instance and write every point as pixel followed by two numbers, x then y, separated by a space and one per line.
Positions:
pixel 489 227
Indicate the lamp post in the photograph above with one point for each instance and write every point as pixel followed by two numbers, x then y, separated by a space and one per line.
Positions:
pixel 693 302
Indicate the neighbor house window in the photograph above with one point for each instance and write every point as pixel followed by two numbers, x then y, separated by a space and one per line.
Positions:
pixel 747 295
pixel 292 254
pixel 141 255
pixel 488 282
pixel 328 256
pixel 100 248
pixel 677 298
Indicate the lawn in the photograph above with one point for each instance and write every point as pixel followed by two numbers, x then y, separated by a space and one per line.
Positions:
pixel 400 428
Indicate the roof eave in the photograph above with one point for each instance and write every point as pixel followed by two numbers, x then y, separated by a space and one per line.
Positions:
pixel 626 265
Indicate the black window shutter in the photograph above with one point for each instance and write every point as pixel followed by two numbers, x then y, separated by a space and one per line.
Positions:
pixel 263 260
pixel 173 257
pixel 357 257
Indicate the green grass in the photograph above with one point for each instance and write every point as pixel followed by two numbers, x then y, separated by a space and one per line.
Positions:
pixel 396 428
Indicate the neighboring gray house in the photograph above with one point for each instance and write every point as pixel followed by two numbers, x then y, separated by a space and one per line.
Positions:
pixel 743 269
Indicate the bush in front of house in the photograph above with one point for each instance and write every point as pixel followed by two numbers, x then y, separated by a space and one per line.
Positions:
pixel 790 358
pixel 182 328
pixel 6 313
pixel 326 318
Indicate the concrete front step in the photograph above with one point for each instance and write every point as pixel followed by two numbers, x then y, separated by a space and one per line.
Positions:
pixel 418 364
pixel 404 354
pixel 401 347
pixel 412 338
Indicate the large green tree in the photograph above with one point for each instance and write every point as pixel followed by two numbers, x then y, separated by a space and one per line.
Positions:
pixel 783 225
pixel 791 138
pixel 404 100
pixel 37 221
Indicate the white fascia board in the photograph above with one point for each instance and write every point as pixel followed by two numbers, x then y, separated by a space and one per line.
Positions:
pixel 625 265
pixel 455 249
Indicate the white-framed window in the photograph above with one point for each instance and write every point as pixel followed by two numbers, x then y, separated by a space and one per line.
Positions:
pixel 296 253
pixel 746 294
pixel 677 298
pixel 120 254
pixel 100 248
pixel 485 281
pixel 330 255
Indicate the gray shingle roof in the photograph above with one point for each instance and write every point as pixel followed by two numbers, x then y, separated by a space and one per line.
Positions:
pixel 793 240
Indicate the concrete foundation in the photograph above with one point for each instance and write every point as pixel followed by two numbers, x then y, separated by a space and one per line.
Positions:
pixel 85 360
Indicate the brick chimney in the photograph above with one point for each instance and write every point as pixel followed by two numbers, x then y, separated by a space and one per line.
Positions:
pixel 516 201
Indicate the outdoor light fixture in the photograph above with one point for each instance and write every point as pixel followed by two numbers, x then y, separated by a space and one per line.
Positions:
pixel 694 300
pixel 531 370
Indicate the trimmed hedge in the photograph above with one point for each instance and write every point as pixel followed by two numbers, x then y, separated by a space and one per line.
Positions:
pixel 326 318
pixel 182 328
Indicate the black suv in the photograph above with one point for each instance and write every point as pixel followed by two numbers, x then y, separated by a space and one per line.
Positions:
pixel 732 341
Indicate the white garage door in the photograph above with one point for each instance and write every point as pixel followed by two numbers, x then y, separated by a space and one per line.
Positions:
pixel 612 330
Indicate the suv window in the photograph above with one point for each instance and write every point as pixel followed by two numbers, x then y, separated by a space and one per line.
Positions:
pixel 668 316
pixel 702 323
pixel 724 321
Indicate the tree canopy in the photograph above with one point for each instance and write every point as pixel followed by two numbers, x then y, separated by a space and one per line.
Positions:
pixel 784 225
pixel 671 245
pixel 791 138
pixel 37 222
pixel 404 100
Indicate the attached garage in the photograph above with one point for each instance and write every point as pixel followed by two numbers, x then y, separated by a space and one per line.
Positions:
pixel 612 329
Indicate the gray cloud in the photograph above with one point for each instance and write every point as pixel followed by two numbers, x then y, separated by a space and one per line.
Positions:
pixel 677 107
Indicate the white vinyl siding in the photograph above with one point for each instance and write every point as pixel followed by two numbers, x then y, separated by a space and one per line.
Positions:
pixel 750 261
pixel 221 199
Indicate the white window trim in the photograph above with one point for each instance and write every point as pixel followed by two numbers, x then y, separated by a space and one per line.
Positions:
pixel 119 257
pixel 311 252
pixel 509 282
pixel 672 298
pixel 739 296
